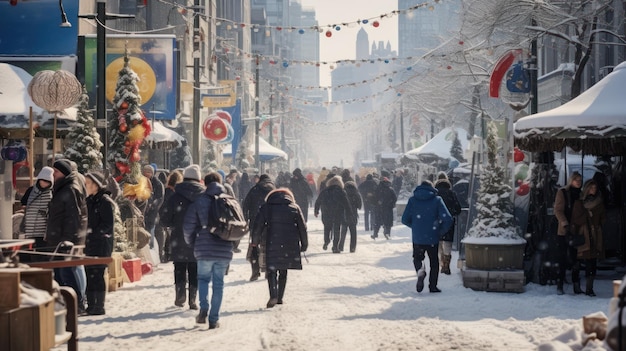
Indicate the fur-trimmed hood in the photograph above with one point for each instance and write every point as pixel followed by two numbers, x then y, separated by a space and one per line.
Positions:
pixel 336 180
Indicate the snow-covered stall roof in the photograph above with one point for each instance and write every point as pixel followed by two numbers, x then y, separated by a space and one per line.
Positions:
pixel 267 152
pixel 594 122
pixel 439 146
pixel 162 137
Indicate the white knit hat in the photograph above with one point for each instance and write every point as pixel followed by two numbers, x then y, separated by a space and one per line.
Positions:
pixel 192 172
pixel 46 173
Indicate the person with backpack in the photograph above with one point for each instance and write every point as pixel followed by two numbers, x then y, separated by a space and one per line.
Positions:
pixel 254 200
pixel 444 190
pixel 212 253
pixel 281 234
pixel 172 216
pixel 563 205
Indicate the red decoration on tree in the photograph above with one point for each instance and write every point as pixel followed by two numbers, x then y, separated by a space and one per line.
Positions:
pixel 123 128
pixel 523 189
pixel 329 34
pixel 449 67
pixel 461 42
pixel 375 24
pixel 518 155
pixel 215 129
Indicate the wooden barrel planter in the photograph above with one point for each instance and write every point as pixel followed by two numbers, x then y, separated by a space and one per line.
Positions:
pixel 494 256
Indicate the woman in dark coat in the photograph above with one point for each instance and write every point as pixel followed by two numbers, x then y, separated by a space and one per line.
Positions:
pixel 162 233
pixel 335 207
pixel 444 190
pixel 99 240
pixel 385 201
pixel 281 234
pixel 350 222
pixel 301 191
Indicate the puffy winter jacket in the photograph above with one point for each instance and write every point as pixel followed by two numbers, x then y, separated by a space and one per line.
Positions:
pixel 67 212
pixel 286 234
pixel 99 240
pixel 206 246
pixel 427 216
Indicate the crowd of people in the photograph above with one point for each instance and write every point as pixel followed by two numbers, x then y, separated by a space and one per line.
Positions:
pixel 65 208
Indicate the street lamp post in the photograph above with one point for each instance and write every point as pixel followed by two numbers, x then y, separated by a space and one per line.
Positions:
pixel 257 90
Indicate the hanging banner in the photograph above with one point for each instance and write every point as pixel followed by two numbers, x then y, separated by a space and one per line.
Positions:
pixel 151 57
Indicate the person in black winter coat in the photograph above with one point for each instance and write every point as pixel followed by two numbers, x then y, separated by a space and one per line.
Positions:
pixel 335 207
pixel 350 222
pixel 301 192
pixel 172 216
pixel 444 189
pixel 368 193
pixel 385 199
pixel 251 204
pixel 281 234
pixel 212 252
pixel 153 204
pixel 245 183
pixel 163 235
pixel 67 221
pixel 99 240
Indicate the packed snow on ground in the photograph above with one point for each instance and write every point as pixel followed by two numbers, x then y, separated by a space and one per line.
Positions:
pixel 349 301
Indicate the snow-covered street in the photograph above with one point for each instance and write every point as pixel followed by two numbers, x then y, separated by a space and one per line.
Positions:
pixel 360 301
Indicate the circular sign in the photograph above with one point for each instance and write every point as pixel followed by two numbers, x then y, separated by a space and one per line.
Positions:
pixel 147 78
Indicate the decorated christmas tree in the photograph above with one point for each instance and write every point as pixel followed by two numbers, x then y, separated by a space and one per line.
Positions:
pixel 85 144
pixel 494 205
pixel 128 127
pixel 457 149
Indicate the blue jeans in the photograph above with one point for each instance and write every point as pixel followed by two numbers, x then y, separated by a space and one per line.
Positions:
pixel 215 271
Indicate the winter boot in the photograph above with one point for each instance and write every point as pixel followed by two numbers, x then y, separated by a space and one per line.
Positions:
pixel 559 288
pixel 445 264
pixel 98 307
pixel 576 286
pixel 91 301
pixel 272 283
pixel 193 290
pixel 180 295
pixel 201 317
pixel 420 280
pixel 434 289
pixel 589 288
pixel 282 282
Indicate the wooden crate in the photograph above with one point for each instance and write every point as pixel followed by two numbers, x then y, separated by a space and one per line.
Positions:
pixel 28 328
pixel 115 277
pixel 10 279
pixel 497 281
pixel 494 257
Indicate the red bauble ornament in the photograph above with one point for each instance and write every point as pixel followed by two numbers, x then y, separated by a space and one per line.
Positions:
pixel 449 67
pixel 123 128
pixel 215 129
pixel 329 34
pixel 122 167
pixel 518 155
pixel 523 189
pixel 461 42
pixel 124 105
pixel 375 24
pixel 135 156
pixel 225 116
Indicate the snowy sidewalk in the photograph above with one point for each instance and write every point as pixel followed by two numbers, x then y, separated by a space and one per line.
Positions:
pixel 360 301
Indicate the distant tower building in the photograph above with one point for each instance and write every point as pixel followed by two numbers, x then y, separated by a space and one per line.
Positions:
pixel 421 29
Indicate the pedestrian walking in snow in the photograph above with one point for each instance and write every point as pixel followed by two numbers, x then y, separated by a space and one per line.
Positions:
pixel 444 190
pixel 427 216
pixel 335 207
pixel 385 201
pixel 351 221
pixel 280 233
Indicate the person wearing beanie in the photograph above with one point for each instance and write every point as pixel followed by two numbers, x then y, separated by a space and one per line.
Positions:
pixel 301 192
pixel 36 199
pixel 99 241
pixel 67 222
pixel 444 190
pixel 153 205
pixel 367 189
pixel 384 202
pixel 251 204
pixel 192 172
pixel 172 216
pixel 423 209
pixel 442 175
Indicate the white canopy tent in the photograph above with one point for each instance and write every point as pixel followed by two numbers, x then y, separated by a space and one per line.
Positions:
pixel 594 122
pixel 162 137
pixel 267 152
pixel 439 146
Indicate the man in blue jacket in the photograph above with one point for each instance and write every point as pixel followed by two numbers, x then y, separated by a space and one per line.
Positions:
pixel 213 253
pixel 426 214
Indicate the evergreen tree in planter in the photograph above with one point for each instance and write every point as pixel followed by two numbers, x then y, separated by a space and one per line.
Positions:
pixel 85 145
pixel 457 149
pixel 495 209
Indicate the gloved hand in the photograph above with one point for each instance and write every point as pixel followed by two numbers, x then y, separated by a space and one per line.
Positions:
pixel 303 248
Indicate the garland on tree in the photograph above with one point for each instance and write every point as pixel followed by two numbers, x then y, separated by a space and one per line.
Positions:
pixel 495 208
pixel 128 127
pixel 85 145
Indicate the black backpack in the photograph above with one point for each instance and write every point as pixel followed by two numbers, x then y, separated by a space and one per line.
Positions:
pixel 226 218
